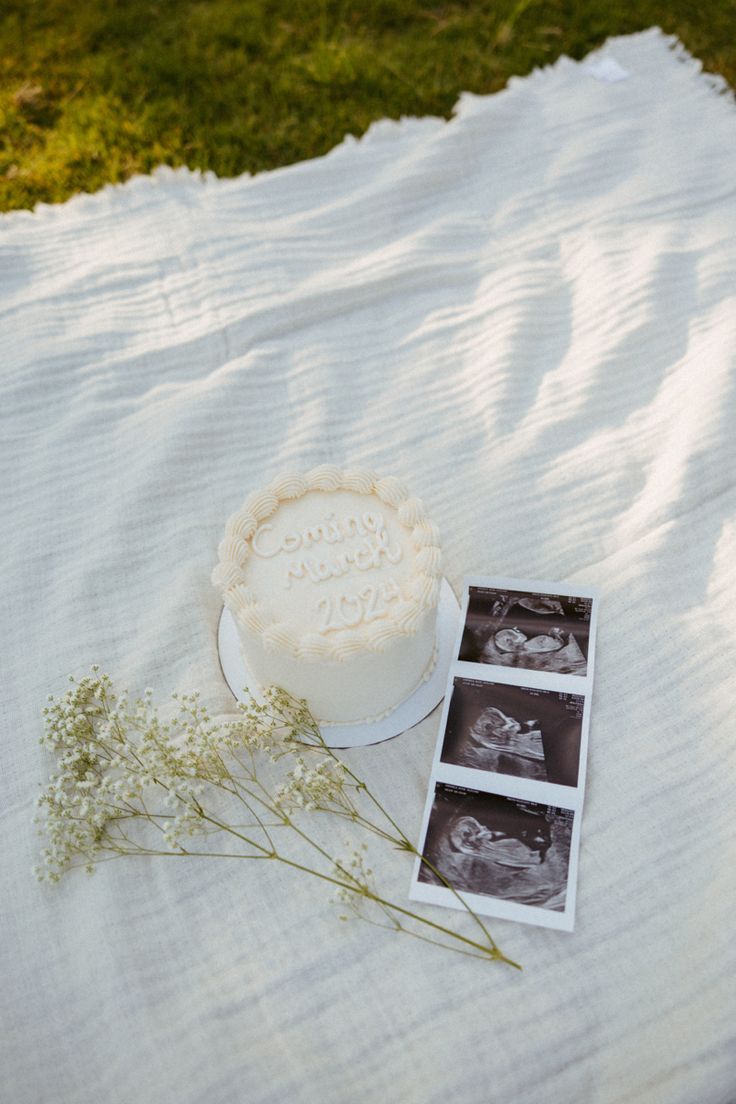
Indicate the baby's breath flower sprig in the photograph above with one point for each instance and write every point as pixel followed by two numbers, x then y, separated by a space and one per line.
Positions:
pixel 128 782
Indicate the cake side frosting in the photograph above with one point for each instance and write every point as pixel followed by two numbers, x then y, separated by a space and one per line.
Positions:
pixel 361 689
pixel 329 565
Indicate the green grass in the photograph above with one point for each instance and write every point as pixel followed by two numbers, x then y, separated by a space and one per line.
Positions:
pixel 96 90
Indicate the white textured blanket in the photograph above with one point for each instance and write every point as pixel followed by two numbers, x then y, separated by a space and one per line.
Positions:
pixel 527 313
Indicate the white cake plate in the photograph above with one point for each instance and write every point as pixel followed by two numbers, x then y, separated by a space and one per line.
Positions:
pixel 408 713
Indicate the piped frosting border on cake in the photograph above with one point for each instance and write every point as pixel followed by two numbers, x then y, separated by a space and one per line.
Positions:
pixel 233 552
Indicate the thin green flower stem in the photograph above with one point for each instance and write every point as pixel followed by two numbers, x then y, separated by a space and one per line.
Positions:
pixel 288 822
pixel 413 849
pixel 358 818
pixel 370 826
pixel 397 926
pixel 282 819
pixel 325 854
pixel 334 881
pixel 490 953
pixel 494 949
pixel 269 852
pixel 114 855
pixel 303 835
pixel 123 815
pixel 360 784
pixel 138 849
pixel 237 793
pixel 183 852
pixel 316 733
pixel 148 816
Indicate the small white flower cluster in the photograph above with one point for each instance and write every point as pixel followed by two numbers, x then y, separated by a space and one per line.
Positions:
pixel 279 725
pixel 105 777
pixel 354 872
pixel 75 817
pixel 121 769
pixel 320 786
pixel 124 777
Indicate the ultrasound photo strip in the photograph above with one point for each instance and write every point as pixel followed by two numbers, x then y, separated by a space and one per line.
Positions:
pixel 530 628
pixel 503 810
pixel 498 847
pixel 514 730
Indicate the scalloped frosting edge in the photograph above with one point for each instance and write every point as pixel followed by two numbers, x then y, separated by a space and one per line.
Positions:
pixel 279 637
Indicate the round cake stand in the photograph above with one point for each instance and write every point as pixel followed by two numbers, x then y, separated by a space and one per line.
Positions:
pixel 408 713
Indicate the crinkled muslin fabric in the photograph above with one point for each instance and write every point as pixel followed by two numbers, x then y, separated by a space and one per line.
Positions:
pixel 526 312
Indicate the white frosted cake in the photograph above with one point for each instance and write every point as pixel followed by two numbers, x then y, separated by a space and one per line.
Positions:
pixel 333 578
